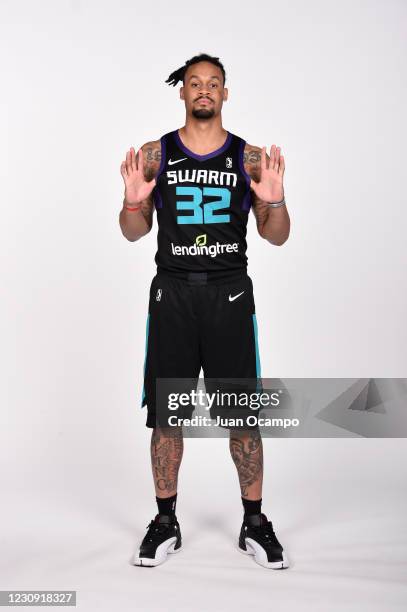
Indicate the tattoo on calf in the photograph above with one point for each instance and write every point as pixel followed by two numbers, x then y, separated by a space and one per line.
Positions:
pixel 166 454
pixel 247 454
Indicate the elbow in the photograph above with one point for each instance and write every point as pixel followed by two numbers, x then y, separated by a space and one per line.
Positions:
pixel 274 240
pixel 130 237
pixel 133 237
pixel 130 233
pixel 279 242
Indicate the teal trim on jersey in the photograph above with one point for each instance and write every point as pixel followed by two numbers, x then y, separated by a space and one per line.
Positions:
pixel 145 357
pixel 259 386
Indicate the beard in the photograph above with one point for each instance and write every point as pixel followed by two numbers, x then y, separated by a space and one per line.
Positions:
pixel 203 113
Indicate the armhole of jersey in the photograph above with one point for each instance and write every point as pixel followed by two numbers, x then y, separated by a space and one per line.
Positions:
pixel 158 203
pixel 163 142
pixel 247 200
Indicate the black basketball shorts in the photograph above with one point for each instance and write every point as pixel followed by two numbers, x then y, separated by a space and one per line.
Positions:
pixel 196 322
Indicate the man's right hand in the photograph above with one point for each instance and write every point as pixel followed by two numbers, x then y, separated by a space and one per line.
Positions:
pixel 137 188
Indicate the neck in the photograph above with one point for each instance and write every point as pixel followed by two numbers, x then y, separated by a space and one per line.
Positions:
pixel 203 136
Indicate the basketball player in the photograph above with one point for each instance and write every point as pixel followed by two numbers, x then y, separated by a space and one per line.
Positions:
pixel 203 181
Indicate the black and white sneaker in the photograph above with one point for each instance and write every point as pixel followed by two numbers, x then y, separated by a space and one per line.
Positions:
pixel 257 538
pixel 163 537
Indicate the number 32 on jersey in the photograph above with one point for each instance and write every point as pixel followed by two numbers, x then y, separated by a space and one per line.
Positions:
pixel 203 212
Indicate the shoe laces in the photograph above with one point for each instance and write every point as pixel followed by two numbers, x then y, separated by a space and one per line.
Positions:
pixel 266 532
pixel 156 530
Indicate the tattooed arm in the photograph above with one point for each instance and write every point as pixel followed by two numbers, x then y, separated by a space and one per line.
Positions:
pixel 135 224
pixel 273 224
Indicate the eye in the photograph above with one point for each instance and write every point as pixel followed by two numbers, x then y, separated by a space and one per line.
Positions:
pixel 194 84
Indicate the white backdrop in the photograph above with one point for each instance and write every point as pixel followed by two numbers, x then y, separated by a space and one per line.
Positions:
pixel 81 83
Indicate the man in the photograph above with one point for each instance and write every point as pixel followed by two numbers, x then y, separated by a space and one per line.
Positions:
pixel 203 181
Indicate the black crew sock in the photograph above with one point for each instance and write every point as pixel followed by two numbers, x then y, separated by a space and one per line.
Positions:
pixel 251 506
pixel 166 505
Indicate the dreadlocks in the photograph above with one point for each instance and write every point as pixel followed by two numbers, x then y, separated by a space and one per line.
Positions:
pixel 179 75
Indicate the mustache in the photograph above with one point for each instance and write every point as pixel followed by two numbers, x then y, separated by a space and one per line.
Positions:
pixel 203 98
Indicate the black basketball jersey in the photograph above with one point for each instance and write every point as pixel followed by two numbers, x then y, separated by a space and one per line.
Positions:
pixel 202 204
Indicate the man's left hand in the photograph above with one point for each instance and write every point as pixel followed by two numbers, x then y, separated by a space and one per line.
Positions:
pixel 270 186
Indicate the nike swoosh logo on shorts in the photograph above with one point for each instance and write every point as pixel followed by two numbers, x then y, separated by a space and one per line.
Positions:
pixel 175 161
pixel 234 297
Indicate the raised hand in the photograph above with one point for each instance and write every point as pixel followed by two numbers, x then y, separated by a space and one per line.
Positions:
pixel 137 188
pixel 270 186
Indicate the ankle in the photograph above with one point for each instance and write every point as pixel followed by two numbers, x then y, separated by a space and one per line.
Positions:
pixel 251 506
pixel 167 505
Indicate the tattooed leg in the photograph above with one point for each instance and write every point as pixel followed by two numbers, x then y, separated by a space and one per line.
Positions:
pixel 167 446
pixel 246 449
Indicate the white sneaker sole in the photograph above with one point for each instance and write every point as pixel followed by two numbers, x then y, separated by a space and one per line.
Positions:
pixel 162 551
pixel 260 556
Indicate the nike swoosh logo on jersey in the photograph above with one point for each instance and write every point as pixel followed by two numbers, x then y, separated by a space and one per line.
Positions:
pixel 234 297
pixel 175 161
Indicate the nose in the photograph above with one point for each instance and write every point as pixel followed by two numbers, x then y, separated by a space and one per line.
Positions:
pixel 203 90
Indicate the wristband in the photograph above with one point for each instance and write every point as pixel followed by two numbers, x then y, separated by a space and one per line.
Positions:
pixel 277 204
pixel 130 208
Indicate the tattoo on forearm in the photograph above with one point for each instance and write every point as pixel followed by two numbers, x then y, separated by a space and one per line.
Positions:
pixel 247 454
pixel 166 454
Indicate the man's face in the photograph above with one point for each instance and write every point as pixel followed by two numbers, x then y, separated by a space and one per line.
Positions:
pixel 203 90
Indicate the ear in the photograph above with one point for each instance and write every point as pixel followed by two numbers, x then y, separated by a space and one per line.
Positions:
pixel 181 93
pixel 225 93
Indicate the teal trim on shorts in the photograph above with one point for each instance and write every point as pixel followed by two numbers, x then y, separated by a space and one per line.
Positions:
pixel 256 342
pixel 145 357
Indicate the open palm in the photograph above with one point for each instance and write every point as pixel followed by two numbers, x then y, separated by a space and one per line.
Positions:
pixel 270 186
pixel 137 188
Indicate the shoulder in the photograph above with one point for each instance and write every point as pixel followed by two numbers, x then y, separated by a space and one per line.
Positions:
pixel 152 151
pixel 251 160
